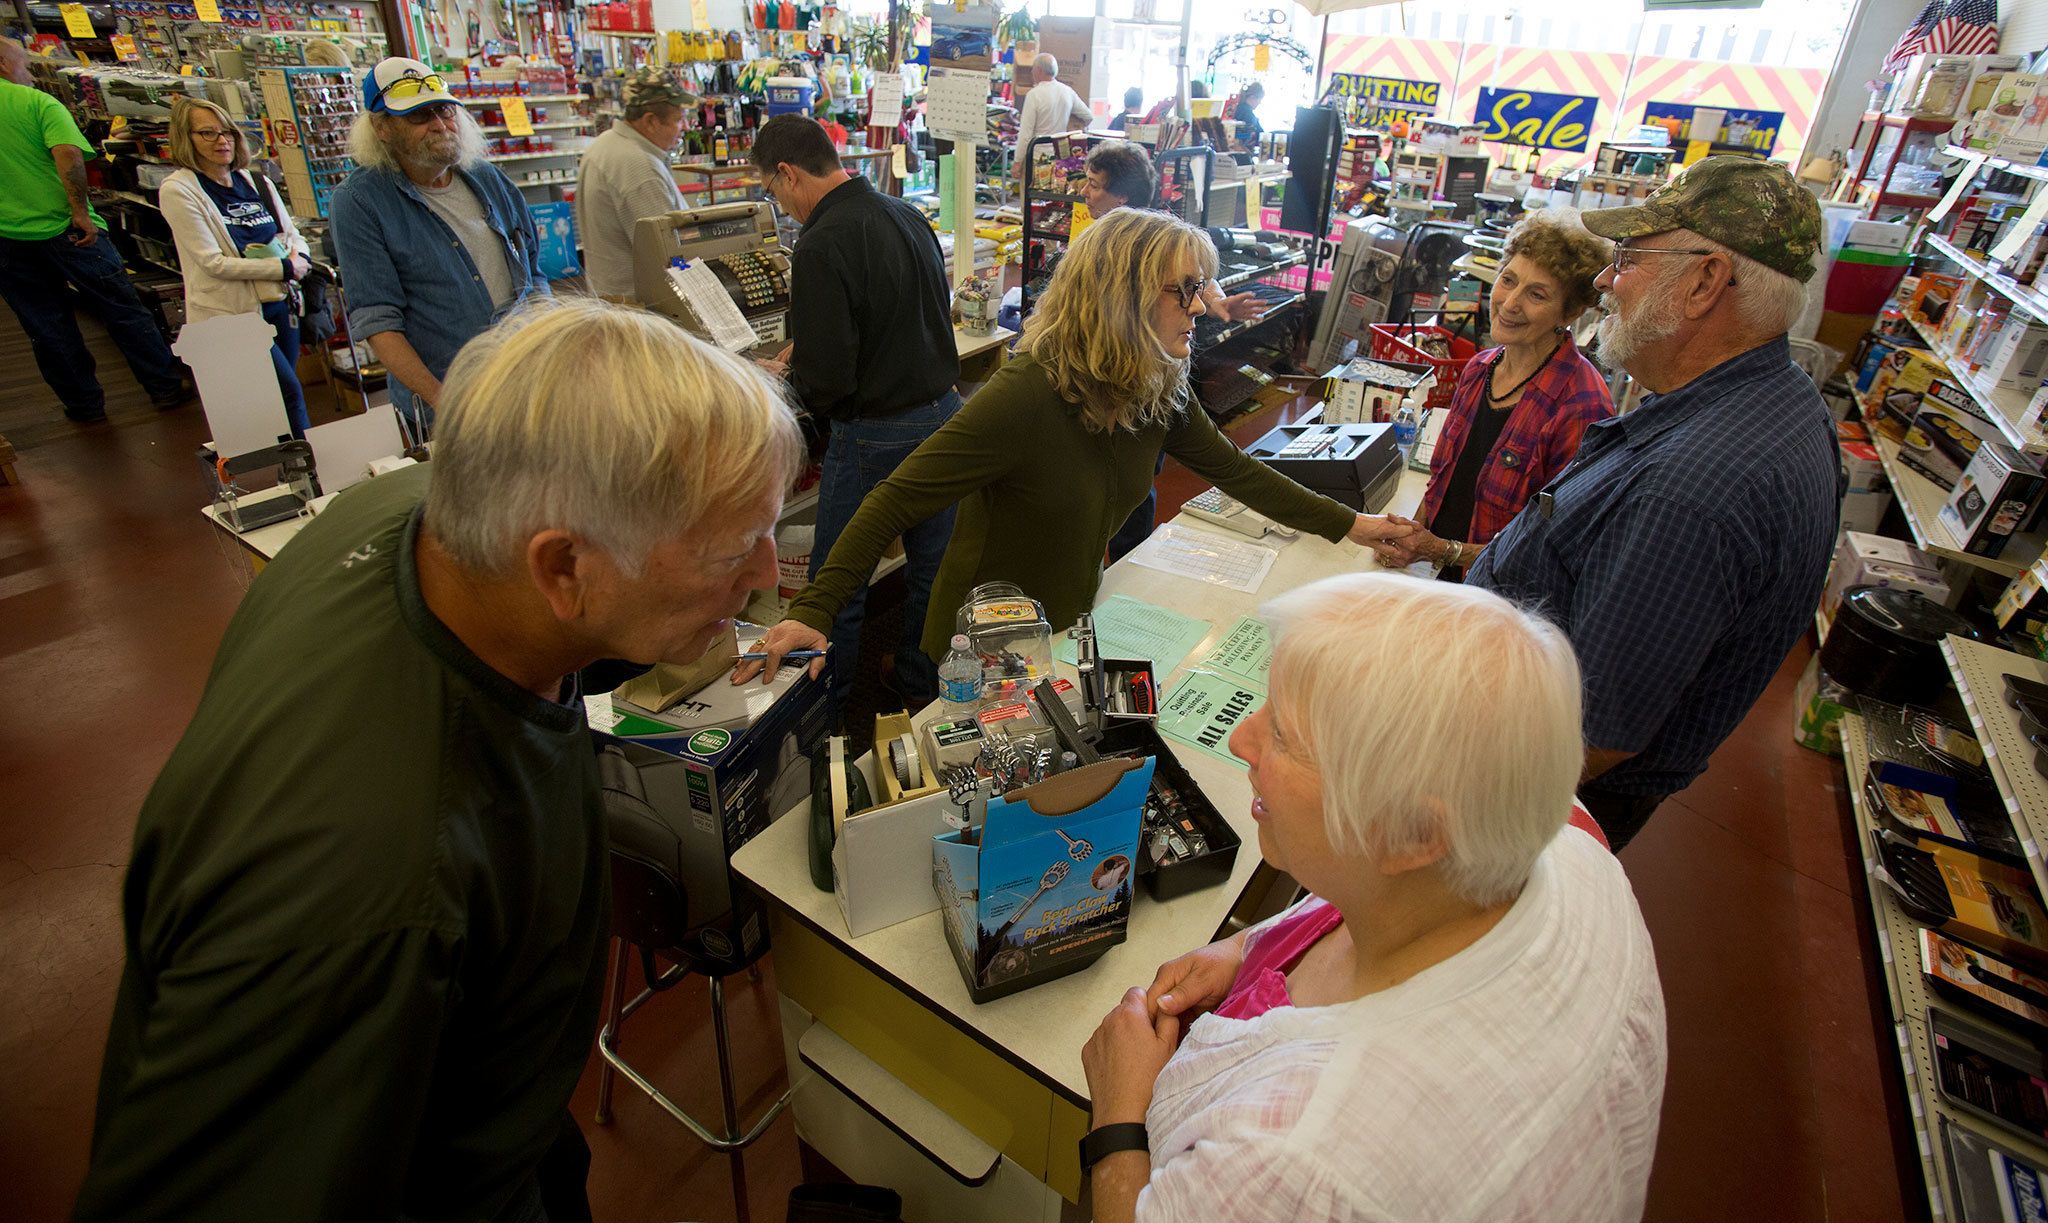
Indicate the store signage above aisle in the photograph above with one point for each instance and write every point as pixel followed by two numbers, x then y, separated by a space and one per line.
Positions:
pixel 956 105
pixel 1752 132
pixel 1383 99
pixel 1561 121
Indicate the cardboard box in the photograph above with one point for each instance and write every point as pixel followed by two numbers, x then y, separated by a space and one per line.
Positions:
pixel 1865 468
pixel 1863 559
pixel 2021 358
pixel 1048 889
pixel 1864 510
pixel 1932 295
pixel 1991 499
pixel 715 788
pixel 1079 44
pixel 2013 125
pixel 1896 389
pixel 1885 237
pixel 1945 434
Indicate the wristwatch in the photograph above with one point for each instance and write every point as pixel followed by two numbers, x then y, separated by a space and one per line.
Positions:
pixel 1106 1140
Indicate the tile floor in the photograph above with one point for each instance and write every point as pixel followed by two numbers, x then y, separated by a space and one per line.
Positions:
pixel 1782 1103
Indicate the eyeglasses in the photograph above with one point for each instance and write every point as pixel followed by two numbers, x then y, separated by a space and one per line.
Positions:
pixel 1625 255
pixel 420 116
pixel 412 86
pixel 209 134
pixel 1188 290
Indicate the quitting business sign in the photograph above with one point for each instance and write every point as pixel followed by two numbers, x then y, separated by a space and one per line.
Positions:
pixel 1383 96
pixel 1560 121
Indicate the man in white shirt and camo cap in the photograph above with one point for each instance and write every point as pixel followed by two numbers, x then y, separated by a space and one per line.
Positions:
pixel 626 176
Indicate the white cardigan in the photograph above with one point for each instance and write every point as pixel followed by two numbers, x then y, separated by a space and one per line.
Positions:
pixel 218 279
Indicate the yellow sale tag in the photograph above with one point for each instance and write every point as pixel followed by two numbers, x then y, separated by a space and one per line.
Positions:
pixel 1262 58
pixel 517 122
pixel 897 166
pixel 124 47
pixel 700 15
pixel 1083 218
pixel 209 10
pixel 76 23
pixel 184 70
pixel 1697 150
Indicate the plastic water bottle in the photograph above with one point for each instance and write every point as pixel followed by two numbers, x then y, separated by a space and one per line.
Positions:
pixel 1405 429
pixel 960 678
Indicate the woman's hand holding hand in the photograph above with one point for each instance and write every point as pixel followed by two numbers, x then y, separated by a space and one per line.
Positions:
pixel 785 636
pixel 1124 1057
pixel 1198 981
pixel 1417 545
pixel 1385 534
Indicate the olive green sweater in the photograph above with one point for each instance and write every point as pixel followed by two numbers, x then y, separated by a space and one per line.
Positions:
pixel 1039 497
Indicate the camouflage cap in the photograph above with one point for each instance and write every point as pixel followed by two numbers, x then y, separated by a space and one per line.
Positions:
pixel 653 87
pixel 1753 207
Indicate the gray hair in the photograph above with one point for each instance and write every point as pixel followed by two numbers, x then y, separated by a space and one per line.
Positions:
pixel 1047 66
pixel 1431 710
pixel 608 422
pixel 1767 301
pixel 366 144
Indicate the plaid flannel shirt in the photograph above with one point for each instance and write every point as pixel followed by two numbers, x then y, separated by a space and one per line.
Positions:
pixel 1541 436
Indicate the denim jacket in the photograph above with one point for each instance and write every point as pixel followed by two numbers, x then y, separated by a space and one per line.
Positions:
pixel 403 268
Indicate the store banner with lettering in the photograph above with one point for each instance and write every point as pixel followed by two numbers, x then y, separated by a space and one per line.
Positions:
pixel 1383 98
pixel 1535 119
pixel 1741 131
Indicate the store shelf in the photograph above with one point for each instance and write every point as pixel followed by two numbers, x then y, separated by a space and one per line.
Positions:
pixel 1278 309
pixel 2006 409
pixel 1979 671
pixel 1049 198
pixel 1907 201
pixel 128 197
pixel 575 152
pixel 1920 500
pixel 499 129
pixel 1997 163
pixel 501 99
pixel 1293 259
pixel 624 33
pixel 2028 299
pixel 1822 622
pixel 1909 122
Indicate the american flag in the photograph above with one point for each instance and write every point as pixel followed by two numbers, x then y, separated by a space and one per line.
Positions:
pixel 1948 27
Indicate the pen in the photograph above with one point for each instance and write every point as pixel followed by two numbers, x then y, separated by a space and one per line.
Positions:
pixel 792 656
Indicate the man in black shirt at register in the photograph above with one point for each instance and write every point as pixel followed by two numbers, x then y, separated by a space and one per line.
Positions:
pixel 367 905
pixel 872 358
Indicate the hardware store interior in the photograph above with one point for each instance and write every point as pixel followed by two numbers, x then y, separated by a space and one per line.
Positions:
pixel 1052 610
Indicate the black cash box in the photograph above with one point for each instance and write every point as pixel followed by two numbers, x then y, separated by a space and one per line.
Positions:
pixel 1358 465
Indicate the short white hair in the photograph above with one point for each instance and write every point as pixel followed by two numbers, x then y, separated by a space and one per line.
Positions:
pixel 1431 710
pixel 1047 66
pixel 608 422
pixel 366 143
pixel 1767 301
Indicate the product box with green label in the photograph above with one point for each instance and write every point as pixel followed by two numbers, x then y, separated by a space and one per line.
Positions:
pixel 691 784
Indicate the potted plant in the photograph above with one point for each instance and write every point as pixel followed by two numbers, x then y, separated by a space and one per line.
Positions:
pixel 1019 29
pixel 871 43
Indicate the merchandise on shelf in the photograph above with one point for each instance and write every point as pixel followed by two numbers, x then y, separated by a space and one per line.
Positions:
pixel 309 112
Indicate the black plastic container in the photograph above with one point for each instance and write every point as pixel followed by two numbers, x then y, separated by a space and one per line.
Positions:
pixel 1164 881
pixel 1886 643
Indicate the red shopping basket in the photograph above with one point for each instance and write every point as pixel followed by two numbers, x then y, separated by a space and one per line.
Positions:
pixel 1394 342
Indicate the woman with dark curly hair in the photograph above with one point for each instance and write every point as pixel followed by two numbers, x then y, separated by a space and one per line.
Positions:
pixel 1520 408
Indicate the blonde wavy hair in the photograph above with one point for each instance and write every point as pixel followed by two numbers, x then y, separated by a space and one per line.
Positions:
pixel 186 111
pixel 609 422
pixel 1092 332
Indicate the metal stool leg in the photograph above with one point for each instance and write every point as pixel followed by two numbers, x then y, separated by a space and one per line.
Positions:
pixel 727 1100
pixel 615 994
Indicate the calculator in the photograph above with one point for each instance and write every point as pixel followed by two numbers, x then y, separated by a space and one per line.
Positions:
pixel 1234 515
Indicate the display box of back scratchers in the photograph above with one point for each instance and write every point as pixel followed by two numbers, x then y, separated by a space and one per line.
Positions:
pixel 1047 888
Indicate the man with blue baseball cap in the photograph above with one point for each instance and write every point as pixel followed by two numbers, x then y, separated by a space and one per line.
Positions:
pixel 435 242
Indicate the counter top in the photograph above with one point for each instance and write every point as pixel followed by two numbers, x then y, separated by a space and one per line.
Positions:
pixel 1042 1029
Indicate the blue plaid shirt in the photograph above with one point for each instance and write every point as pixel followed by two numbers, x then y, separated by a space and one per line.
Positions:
pixel 1682 553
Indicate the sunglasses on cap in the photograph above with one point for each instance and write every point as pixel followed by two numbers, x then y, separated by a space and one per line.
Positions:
pixel 413 86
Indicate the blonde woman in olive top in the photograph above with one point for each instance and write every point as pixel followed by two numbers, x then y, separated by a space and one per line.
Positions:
pixel 1053 454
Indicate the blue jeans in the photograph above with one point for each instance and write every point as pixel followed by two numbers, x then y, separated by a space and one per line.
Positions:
pixel 284 354
pixel 32 280
pixel 860 455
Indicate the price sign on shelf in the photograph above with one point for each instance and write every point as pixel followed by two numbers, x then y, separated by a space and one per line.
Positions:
pixel 888 104
pixel 956 105
pixel 208 10
pixel 517 121
pixel 76 23
pixel 124 47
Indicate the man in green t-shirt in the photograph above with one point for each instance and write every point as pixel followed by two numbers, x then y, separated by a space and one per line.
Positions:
pixel 366 911
pixel 50 237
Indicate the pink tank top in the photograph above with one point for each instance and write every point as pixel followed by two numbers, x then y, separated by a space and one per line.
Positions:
pixel 1261 983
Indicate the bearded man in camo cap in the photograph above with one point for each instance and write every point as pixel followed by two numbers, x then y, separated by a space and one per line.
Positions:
pixel 626 176
pixel 1684 550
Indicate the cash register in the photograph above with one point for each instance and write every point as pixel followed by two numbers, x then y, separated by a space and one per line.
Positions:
pixel 1358 465
pixel 720 271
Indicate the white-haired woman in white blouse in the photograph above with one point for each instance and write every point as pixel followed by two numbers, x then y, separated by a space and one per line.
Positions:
pixel 1463 1020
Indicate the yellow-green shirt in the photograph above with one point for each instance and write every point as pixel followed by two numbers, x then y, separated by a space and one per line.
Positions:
pixel 1039 497
pixel 33 205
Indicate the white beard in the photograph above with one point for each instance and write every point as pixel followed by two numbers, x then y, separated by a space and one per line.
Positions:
pixel 1623 338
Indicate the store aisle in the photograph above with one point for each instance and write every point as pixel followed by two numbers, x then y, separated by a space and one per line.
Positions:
pixel 113 595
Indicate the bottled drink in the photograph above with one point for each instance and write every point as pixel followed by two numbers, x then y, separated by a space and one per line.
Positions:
pixel 960 678
pixel 1405 429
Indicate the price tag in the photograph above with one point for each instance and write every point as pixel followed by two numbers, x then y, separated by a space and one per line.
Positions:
pixel 2016 235
pixel 209 10
pixel 1082 219
pixel 76 23
pixel 184 70
pixel 1971 165
pixel 517 122
pixel 124 47
pixel 1262 58
pixel 700 14
pixel 898 167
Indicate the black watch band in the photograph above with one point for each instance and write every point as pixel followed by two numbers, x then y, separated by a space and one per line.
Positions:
pixel 1107 1140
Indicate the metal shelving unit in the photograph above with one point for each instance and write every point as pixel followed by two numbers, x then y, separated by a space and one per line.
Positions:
pixel 1978 671
pixel 2031 300
pixel 1997 163
pixel 1920 500
pixel 2005 408
pixel 501 99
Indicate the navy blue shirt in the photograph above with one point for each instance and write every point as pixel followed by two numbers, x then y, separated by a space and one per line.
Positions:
pixel 244 209
pixel 1682 552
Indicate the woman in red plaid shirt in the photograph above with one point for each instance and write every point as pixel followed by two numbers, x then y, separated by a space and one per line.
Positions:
pixel 1519 409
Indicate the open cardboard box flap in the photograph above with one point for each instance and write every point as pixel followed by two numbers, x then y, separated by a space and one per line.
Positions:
pixel 1075 789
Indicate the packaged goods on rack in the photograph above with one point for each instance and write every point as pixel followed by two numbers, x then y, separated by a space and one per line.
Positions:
pixel 310 111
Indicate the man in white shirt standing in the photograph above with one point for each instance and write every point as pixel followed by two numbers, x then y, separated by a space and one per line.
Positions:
pixel 626 176
pixel 1049 109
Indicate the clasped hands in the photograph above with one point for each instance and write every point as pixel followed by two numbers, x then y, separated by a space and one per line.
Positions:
pixel 1398 542
pixel 1137 1038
